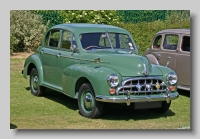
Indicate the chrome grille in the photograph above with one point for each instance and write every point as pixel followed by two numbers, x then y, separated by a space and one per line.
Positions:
pixel 142 86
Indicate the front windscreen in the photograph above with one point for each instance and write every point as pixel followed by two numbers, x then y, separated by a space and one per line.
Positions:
pixel 106 41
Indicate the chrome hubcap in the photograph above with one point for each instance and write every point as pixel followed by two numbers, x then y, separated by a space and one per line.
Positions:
pixel 35 82
pixel 87 101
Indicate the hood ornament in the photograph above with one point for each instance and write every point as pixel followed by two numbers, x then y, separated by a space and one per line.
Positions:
pixel 145 72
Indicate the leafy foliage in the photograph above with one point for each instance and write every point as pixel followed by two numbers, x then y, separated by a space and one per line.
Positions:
pixel 176 16
pixel 26 30
pixel 92 16
pixel 144 32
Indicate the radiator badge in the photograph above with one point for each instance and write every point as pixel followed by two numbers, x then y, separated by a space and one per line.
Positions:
pixel 157 86
pixel 138 86
pixel 148 87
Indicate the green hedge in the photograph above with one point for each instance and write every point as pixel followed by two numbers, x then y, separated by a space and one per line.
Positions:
pixel 27 29
pixel 144 32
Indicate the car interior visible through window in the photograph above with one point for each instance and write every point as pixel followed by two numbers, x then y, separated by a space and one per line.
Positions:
pixel 170 42
pixel 186 44
pixel 54 38
pixel 157 42
pixel 101 41
pixel 66 40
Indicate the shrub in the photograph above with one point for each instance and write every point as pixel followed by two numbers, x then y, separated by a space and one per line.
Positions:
pixel 144 32
pixel 92 16
pixel 26 30
pixel 176 16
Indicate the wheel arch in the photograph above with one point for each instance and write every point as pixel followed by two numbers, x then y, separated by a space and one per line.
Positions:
pixel 31 62
pixel 152 59
pixel 79 83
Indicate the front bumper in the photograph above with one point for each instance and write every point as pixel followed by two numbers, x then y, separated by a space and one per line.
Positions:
pixel 131 98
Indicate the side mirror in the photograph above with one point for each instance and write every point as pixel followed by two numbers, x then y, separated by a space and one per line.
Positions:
pixel 74 48
pixel 168 60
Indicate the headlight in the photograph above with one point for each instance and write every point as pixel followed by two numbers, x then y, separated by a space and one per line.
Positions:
pixel 113 80
pixel 172 78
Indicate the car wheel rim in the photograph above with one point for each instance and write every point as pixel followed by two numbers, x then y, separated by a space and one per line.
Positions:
pixel 34 82
pixel 87 101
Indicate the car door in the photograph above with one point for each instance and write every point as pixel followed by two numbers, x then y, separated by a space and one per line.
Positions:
pixel 183 61
pixel 169 49
pixel 47 55
pixel 64 59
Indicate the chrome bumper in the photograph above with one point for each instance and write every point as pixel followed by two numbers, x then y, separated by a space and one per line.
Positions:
pixel 131 98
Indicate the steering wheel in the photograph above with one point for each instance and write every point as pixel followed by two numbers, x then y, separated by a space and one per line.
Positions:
pixel 93 46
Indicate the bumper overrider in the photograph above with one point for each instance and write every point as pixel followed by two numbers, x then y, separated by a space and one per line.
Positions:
pixel 140 90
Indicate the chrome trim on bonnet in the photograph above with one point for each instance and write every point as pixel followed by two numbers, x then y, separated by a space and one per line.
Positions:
pixel 145 72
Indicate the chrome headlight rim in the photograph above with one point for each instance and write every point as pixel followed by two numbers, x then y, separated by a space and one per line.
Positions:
pixel 172 78
pixel 113 80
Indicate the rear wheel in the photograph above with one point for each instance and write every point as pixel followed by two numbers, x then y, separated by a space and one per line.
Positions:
pixel 36 89
pixel 164 108
pixel 87 104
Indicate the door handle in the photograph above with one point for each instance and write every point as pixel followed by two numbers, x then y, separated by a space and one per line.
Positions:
pixel 58 55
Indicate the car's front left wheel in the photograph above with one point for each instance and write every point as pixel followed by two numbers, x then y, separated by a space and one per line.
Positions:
pixel 87 104
pixel 36 89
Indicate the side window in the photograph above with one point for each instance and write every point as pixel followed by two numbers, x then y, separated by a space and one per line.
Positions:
pixel 157 42
pixel 54 38
pixel 47 39
pixel 170 42
pixel 66 40
pixel 186 43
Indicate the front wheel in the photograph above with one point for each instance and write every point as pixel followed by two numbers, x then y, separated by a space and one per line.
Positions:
pixel 36 89
pixel 87 104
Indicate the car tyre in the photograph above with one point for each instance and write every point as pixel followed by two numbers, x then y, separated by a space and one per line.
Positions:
pixel 164 108
pixel 36 89
pixel 87 104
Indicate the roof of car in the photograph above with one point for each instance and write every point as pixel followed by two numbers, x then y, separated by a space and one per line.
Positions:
pixel 86 27
pixel 176 31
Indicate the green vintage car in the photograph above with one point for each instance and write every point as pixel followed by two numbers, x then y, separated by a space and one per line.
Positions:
pixel 99 64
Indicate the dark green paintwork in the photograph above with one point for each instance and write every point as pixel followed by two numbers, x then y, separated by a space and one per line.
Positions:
pixel 62 74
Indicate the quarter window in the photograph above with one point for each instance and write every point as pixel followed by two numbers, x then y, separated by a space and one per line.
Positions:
pixel 170 42
pixel 186 44
pixel 157 42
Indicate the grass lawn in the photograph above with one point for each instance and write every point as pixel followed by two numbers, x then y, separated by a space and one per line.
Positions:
pixel 57 111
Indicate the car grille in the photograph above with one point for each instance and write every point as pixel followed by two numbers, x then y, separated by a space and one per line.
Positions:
pixel 142 86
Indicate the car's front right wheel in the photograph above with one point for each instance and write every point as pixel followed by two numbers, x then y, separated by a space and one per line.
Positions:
pixel 87 104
